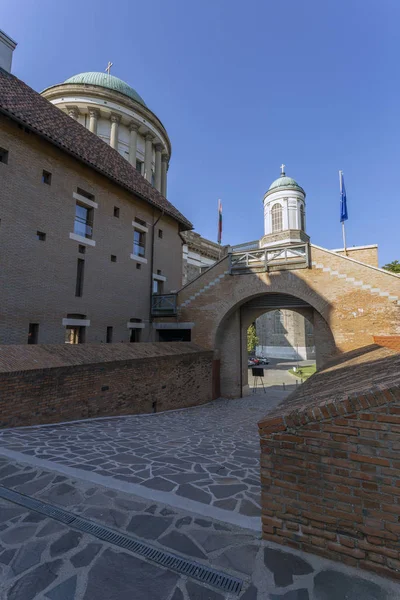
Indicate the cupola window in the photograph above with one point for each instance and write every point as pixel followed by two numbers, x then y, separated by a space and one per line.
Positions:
pixel 302 224
pixel 276 214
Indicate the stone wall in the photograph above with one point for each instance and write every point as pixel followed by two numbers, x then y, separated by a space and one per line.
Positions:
pixel 292 339
pixel 53 383
pixel 330 467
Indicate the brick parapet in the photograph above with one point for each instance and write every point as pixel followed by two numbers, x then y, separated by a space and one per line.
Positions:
pixel 330 477
pixel 64 390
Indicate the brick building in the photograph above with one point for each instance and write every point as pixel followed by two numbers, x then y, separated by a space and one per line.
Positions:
pixel 85 238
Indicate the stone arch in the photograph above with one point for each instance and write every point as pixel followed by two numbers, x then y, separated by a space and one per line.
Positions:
pixel 230 337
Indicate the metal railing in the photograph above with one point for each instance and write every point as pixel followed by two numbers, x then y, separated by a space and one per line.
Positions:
pixel 266 259
pixel 163 305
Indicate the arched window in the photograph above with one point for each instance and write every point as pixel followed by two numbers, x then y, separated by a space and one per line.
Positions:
pixel 279 326
pixel 302 224
pixel 276 214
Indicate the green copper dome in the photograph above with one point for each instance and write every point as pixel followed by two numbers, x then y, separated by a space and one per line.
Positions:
pixel 285 182
pixel 107 81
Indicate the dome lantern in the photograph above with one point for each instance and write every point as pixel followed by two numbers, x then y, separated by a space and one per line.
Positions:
pixel 284 212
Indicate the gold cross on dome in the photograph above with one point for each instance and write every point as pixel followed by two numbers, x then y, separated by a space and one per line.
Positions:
pixel 108 69
pixel 283 168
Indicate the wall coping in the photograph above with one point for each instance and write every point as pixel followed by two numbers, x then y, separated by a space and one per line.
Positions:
pixel 20 358
pixel 358 262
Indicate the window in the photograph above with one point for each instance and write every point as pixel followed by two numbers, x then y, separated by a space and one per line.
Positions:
pixel 87 195
pixel 41 236
pixel 139 165
pixel 33 333
pixel 160 233
pixel 83 225
pixel 113 258
pixel 79 277
pixel 302 224
pixel 135 333
pixel 157 286
pixel 139 238
pixel 74 334
pixel 276 214
pixel 138 266
pixel 3 156
pixel 140 222
pixel 81 249
pixel 109 335
pixel 116 211
pixel 279 322
pixel 46 177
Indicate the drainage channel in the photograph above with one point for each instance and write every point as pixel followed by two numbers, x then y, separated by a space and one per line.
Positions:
pixel 176 563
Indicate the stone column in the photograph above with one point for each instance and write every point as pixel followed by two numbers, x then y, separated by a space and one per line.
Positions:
pixel 148 156
pixel 158 177
pixel 115 119
pixel 133 129
pixel 164 169
pixel 93 117
pixel 73 112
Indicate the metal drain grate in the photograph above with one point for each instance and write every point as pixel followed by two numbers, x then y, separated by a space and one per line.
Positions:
pixel 169 560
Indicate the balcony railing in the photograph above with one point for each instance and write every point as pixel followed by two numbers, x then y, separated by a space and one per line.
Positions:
pixel 270 259
pixel 163 305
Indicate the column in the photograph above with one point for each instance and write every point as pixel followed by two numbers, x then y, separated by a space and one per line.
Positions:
pixel 164 169
pixel 157 182
pixel 73 112
pixel 148 156
pixel 133 129
pixel 115 119
pixel 93 117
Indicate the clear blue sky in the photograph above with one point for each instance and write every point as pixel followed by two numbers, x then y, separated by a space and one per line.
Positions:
pixel 242 87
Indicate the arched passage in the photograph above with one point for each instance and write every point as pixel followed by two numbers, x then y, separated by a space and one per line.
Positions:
pixel 230 342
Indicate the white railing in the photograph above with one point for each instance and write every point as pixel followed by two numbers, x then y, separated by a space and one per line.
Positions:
pixel 265 259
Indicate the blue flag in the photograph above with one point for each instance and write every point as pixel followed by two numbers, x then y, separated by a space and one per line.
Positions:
pixel 343 200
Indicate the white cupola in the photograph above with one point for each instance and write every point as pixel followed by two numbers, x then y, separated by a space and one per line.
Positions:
pixel 284 213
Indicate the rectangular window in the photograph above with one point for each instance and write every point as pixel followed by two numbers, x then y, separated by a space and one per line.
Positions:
pixel 135 335
pixel 81 249
pixel 41 236
pixel 138 266
pixel 109 335
pixel 3 156
pixel 46 177
pixel 157 286
pixel 87 195
pixel 140 222
pixel 74 334
pixel 79 277
pixel 33 334
pixel 116 211
pixel 83 225
pixel 160 233
pixel 139 239
pixel 113 258
pixel 139 166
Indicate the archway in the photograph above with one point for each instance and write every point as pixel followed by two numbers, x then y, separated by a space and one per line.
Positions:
pixel 231 337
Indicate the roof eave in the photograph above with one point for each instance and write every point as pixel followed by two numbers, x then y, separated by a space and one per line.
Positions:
pixel 186 224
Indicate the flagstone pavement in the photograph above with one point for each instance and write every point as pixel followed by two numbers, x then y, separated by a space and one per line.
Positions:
pixel 184 481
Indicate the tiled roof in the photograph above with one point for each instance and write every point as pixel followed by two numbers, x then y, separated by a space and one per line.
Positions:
pixel 23 104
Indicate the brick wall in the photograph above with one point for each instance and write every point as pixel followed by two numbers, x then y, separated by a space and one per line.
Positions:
pixel 366 254
pixel 50 383
pixel 38 278
pixel 330 467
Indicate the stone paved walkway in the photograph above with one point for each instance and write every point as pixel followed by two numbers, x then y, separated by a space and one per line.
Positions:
pixel 42 559
pixel 204 459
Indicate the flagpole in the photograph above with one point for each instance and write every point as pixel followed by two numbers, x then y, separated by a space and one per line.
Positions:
pixel 343 228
